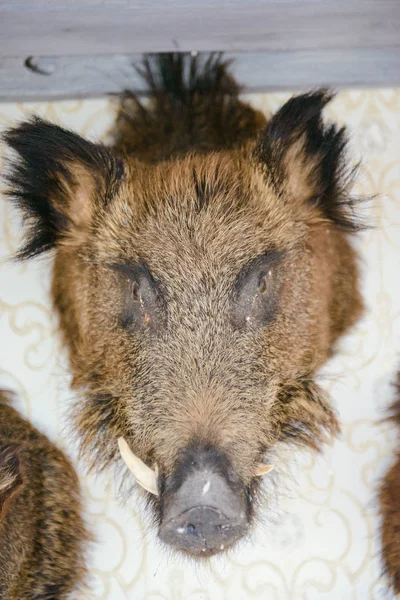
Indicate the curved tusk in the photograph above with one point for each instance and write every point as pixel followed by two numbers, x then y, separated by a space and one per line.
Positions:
pixel 263 469
pixel 145 477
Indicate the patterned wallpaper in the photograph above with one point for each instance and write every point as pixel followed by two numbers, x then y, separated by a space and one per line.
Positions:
pixel 320 539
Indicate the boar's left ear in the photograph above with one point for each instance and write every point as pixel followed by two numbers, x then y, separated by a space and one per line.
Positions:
pixel 306 160
pixel 57 179
pixel 10 476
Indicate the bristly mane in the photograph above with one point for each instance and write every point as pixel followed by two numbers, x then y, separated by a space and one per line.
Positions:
pixel 194 106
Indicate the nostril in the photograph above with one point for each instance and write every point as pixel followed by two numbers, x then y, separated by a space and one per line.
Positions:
pixel 191 529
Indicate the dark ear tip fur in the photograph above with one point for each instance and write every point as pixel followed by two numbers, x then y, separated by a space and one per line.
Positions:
pixel 296 115
pixel 30 183
pixel 44 161
pixel 315 99
pixel 32 126
pixel 322 154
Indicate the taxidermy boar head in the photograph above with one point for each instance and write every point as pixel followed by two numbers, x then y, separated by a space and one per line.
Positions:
pixel 203 273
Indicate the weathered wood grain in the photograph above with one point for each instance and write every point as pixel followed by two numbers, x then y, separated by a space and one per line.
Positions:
pixel 83 76
pixel 278 44
pixel 87 27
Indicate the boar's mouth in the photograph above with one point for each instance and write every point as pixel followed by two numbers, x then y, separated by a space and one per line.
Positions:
pixel 204 508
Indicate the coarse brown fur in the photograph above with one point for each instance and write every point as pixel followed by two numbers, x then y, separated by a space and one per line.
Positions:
pixel 154 240
pixel 42 535
pixel 389 502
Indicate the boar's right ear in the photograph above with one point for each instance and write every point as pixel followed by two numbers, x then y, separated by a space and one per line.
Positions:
pixel 305 160
pixel 58 180
pixel 10 476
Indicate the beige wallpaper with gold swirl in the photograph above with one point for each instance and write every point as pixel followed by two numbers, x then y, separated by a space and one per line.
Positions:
pixel 320 540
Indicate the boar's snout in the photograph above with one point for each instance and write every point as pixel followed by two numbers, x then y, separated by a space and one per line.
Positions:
pixel 204 511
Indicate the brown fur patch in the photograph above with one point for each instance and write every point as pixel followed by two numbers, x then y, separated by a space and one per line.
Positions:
pixel 10 476
pixel 42 535
pixel 389 501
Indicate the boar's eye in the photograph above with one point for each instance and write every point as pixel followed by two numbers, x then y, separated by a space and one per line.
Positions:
pixel 255 296
pixel 142 300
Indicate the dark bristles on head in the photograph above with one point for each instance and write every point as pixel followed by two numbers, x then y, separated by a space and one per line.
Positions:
pixel 194 105
pixel 182 75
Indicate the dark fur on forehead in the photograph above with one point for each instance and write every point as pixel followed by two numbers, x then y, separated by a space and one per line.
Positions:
pixel 323 155
pixel 47 155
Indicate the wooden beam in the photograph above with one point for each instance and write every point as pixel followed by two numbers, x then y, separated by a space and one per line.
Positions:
pixel 88 27
pixel 93 76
